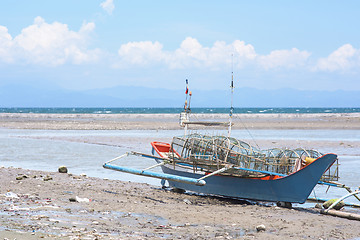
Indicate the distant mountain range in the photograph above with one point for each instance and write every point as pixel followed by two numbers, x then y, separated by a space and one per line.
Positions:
pixel 124 96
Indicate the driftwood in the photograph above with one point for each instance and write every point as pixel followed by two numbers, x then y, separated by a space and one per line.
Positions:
pixel 352 216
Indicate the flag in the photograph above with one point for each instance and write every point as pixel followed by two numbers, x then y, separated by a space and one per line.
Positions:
pixel 187 88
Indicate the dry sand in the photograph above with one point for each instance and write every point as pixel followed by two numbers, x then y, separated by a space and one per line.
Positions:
pixel 124 210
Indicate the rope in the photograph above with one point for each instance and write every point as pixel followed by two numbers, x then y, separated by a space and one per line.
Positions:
pixel 317 200
pixel 247 130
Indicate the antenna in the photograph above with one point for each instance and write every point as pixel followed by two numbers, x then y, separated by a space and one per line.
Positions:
pixel 232 94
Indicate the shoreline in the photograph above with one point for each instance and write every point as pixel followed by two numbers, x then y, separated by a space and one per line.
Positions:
pixel 124 210
pixel 171 121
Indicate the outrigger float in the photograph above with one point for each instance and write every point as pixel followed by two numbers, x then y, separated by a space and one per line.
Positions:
pixel 225 166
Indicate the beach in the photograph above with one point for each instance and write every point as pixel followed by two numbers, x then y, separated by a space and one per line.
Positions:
pixel 171 121
pixel 53 205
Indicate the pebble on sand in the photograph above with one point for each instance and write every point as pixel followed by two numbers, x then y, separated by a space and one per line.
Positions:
pixel 63 169
pixel 47 178
pixel 260 228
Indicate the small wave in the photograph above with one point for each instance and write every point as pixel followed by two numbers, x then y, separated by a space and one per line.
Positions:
pixel 204 110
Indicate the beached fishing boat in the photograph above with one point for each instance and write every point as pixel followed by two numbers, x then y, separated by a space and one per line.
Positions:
pixel 225 166
pixel 228 177
pixel 222 165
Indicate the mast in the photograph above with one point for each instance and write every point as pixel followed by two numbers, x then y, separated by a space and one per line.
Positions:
pixel 185 115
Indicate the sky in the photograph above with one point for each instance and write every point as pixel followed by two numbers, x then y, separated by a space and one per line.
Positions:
pixel 87 45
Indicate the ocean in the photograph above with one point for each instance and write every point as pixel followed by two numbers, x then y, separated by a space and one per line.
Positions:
pixel 176 110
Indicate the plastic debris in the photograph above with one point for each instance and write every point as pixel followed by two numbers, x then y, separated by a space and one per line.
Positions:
pixel 78 199
pixel 11 195
pixel 17 208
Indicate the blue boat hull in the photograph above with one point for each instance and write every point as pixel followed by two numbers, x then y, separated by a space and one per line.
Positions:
pixel 294 188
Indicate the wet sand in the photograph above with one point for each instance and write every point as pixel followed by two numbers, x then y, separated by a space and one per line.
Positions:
pixel 171 121
pixel 124 210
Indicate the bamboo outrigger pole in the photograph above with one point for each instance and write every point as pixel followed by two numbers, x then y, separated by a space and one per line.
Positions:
pixel 145 172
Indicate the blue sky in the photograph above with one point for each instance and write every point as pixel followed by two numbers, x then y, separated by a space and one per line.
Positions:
pixel 81 45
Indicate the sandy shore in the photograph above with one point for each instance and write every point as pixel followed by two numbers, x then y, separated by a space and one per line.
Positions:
pixel 330 121
pixel 171 121
pixel 124 210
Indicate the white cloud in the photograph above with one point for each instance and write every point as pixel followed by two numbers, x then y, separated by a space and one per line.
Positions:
pixel 48 44
pixel 108 6
pixel 141 53
pixel 55 44
pixel 344 58
pixel 190 54
pixel 5 44
pixel 284 59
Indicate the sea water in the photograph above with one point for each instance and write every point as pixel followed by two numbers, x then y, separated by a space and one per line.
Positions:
pixel 44 150
pixel 176 110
